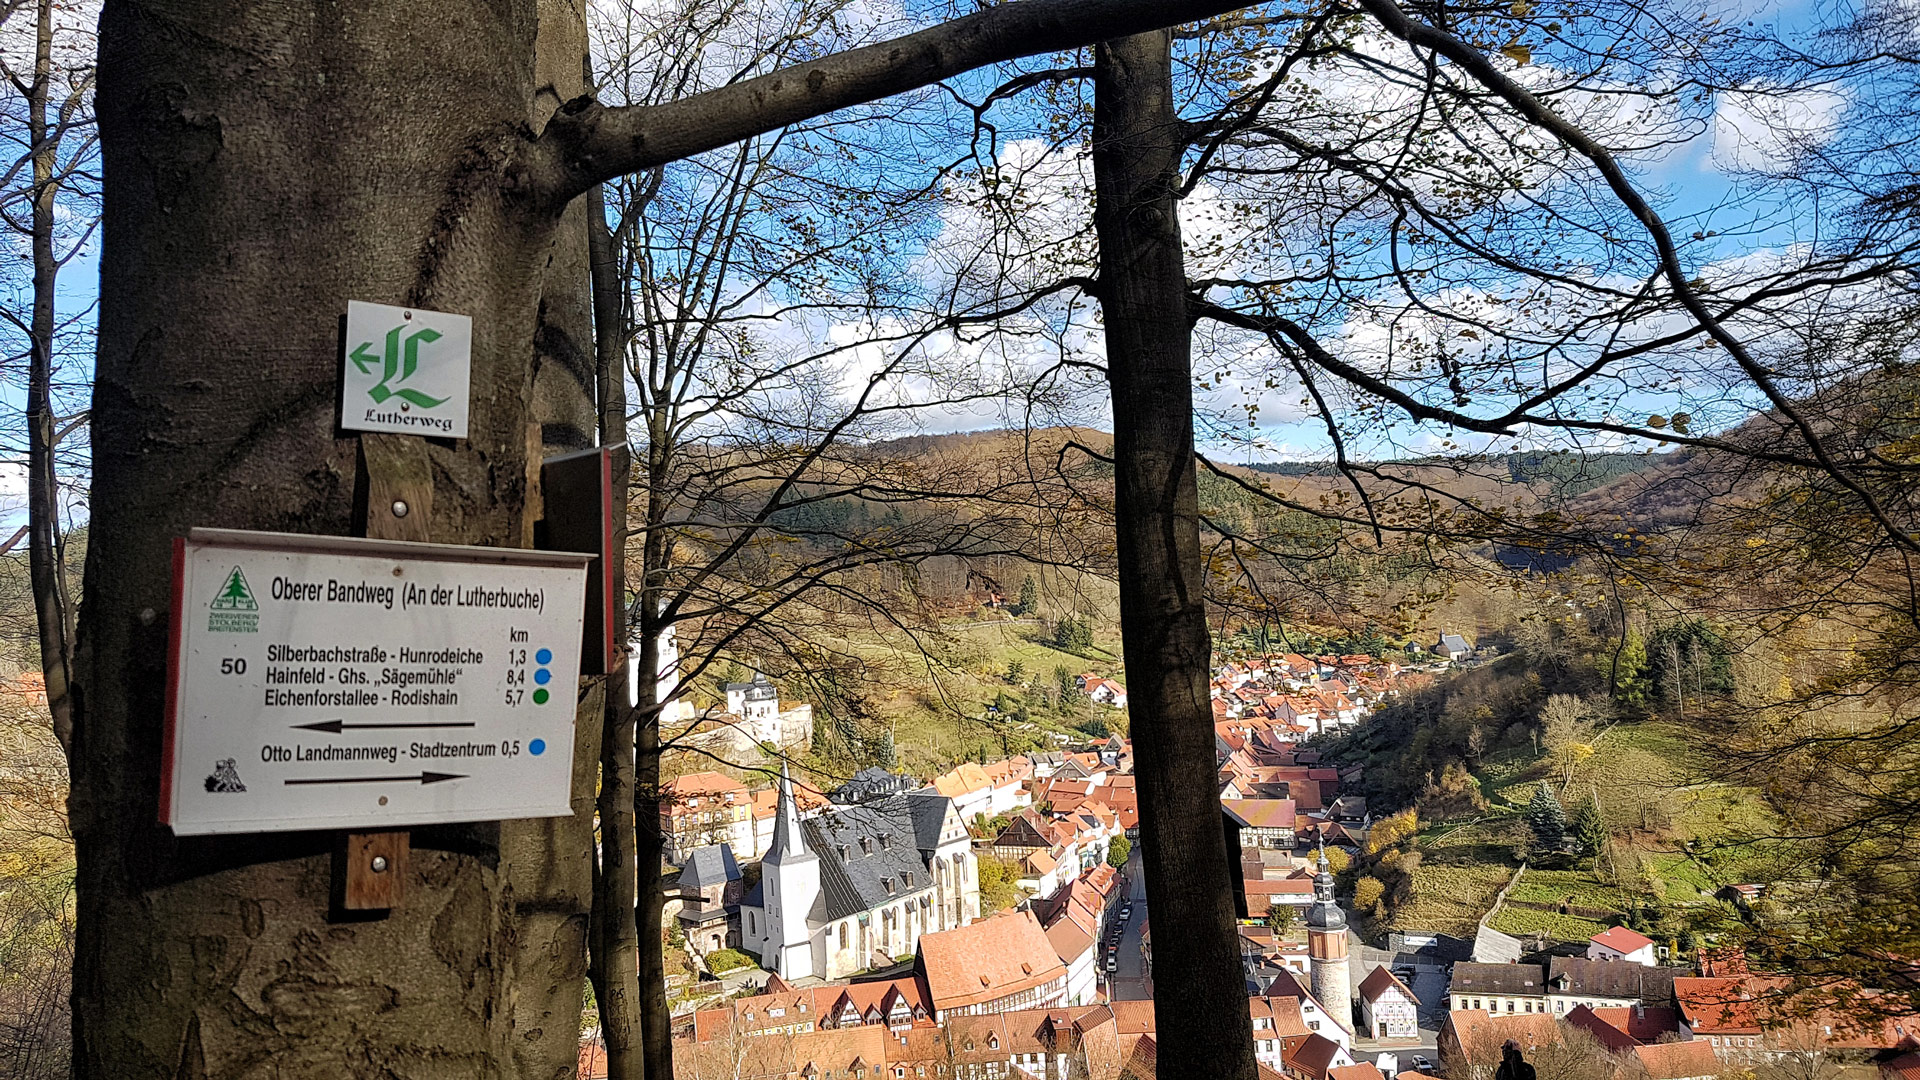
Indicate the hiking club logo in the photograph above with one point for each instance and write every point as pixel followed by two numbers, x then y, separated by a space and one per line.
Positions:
pixel 233 609
pixel 405 370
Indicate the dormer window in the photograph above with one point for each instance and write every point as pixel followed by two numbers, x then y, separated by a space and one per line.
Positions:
pixel 993 1042
pixel 866 845
pixel 909 878
pixel 888 882
pixel 845 853
pixel 886 841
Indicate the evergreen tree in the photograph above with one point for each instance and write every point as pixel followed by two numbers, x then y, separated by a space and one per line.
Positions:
pixel 1063 681
pixel 1029 600
pixel 1547 820
pixel 1629 671
pixel 1588 827
pixel 1073 635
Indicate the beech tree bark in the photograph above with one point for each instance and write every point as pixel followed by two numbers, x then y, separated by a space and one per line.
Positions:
pixel 265 163
pixel 1199 991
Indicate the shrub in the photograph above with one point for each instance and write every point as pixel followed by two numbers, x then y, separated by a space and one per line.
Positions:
pixel 721 961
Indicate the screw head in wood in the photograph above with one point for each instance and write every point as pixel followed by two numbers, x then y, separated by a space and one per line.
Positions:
pixel 400 508
pixel 379 864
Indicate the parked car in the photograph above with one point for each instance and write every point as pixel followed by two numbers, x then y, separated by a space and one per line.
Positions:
pixel 1421 1064
pixel 1113 963
pixel 1126 911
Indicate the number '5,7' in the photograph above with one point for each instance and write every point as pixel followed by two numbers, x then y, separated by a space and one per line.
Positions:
pixel 233 665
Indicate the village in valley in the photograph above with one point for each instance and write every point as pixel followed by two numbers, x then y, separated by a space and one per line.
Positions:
pixel 839 932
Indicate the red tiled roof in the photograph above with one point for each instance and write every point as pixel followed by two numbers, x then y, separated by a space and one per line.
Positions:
pixel 1720 1006
pixel 1608 1034
pixel 1311 1054
pixel 703 783
pixel 1481 1034
pixel 1678 1060
pixel 1366 1070
pixel 1621 939
pixel 1904 1067
pixel 987 960
pixel 1069 939
pixel 1646 1024
pixel 1262 813
pixel 1132 1017
pixel 1377 982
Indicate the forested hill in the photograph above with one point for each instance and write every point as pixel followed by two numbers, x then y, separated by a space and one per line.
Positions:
pixel 1521 478
pixel 1538 471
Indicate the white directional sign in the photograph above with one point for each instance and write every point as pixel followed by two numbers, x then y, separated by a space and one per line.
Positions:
pixel 407 370
pixel 324 683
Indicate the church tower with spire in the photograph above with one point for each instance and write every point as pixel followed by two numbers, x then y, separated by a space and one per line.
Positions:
pixel 790 878
pixel 1327 948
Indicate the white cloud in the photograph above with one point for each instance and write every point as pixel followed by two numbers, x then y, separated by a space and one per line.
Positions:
pixel 1764 130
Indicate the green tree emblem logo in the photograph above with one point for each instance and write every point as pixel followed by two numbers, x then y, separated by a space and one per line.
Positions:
pixel 396 365
pixel 234 595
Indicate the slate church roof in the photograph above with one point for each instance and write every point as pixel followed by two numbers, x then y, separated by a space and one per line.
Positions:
pixel 871 783
pixel 760 689
pixel 869 854
pixel 710 865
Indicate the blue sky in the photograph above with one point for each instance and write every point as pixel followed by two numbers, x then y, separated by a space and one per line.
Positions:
pixel 1695 193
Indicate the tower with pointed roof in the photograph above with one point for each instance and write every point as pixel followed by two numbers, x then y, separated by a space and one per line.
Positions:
pixel 790 877
pixel 1327 948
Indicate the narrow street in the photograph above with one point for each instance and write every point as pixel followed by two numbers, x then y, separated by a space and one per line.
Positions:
pixel 1130 983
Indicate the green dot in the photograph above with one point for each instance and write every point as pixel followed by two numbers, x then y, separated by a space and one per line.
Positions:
pixel 539 697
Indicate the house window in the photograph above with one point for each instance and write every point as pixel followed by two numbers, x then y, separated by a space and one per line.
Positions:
pixel 1509 1004
pixel 843 935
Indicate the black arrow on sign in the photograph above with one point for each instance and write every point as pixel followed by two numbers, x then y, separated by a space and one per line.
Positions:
pixel 423 778
pixel 337 726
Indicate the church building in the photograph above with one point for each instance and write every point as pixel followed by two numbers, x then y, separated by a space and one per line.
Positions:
pixel 855 887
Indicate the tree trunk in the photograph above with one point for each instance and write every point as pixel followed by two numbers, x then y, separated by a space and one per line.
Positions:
pixel 387 137
pixel 654 1011
pixel 551 860
pixel 1199 990
pixel 53 610
pixel 616 952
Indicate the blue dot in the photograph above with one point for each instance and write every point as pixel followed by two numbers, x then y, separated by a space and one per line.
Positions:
pixel 544 656
pixel 542 676
pixel 537 747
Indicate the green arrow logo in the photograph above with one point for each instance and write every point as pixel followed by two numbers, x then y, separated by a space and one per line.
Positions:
pixel 397 365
